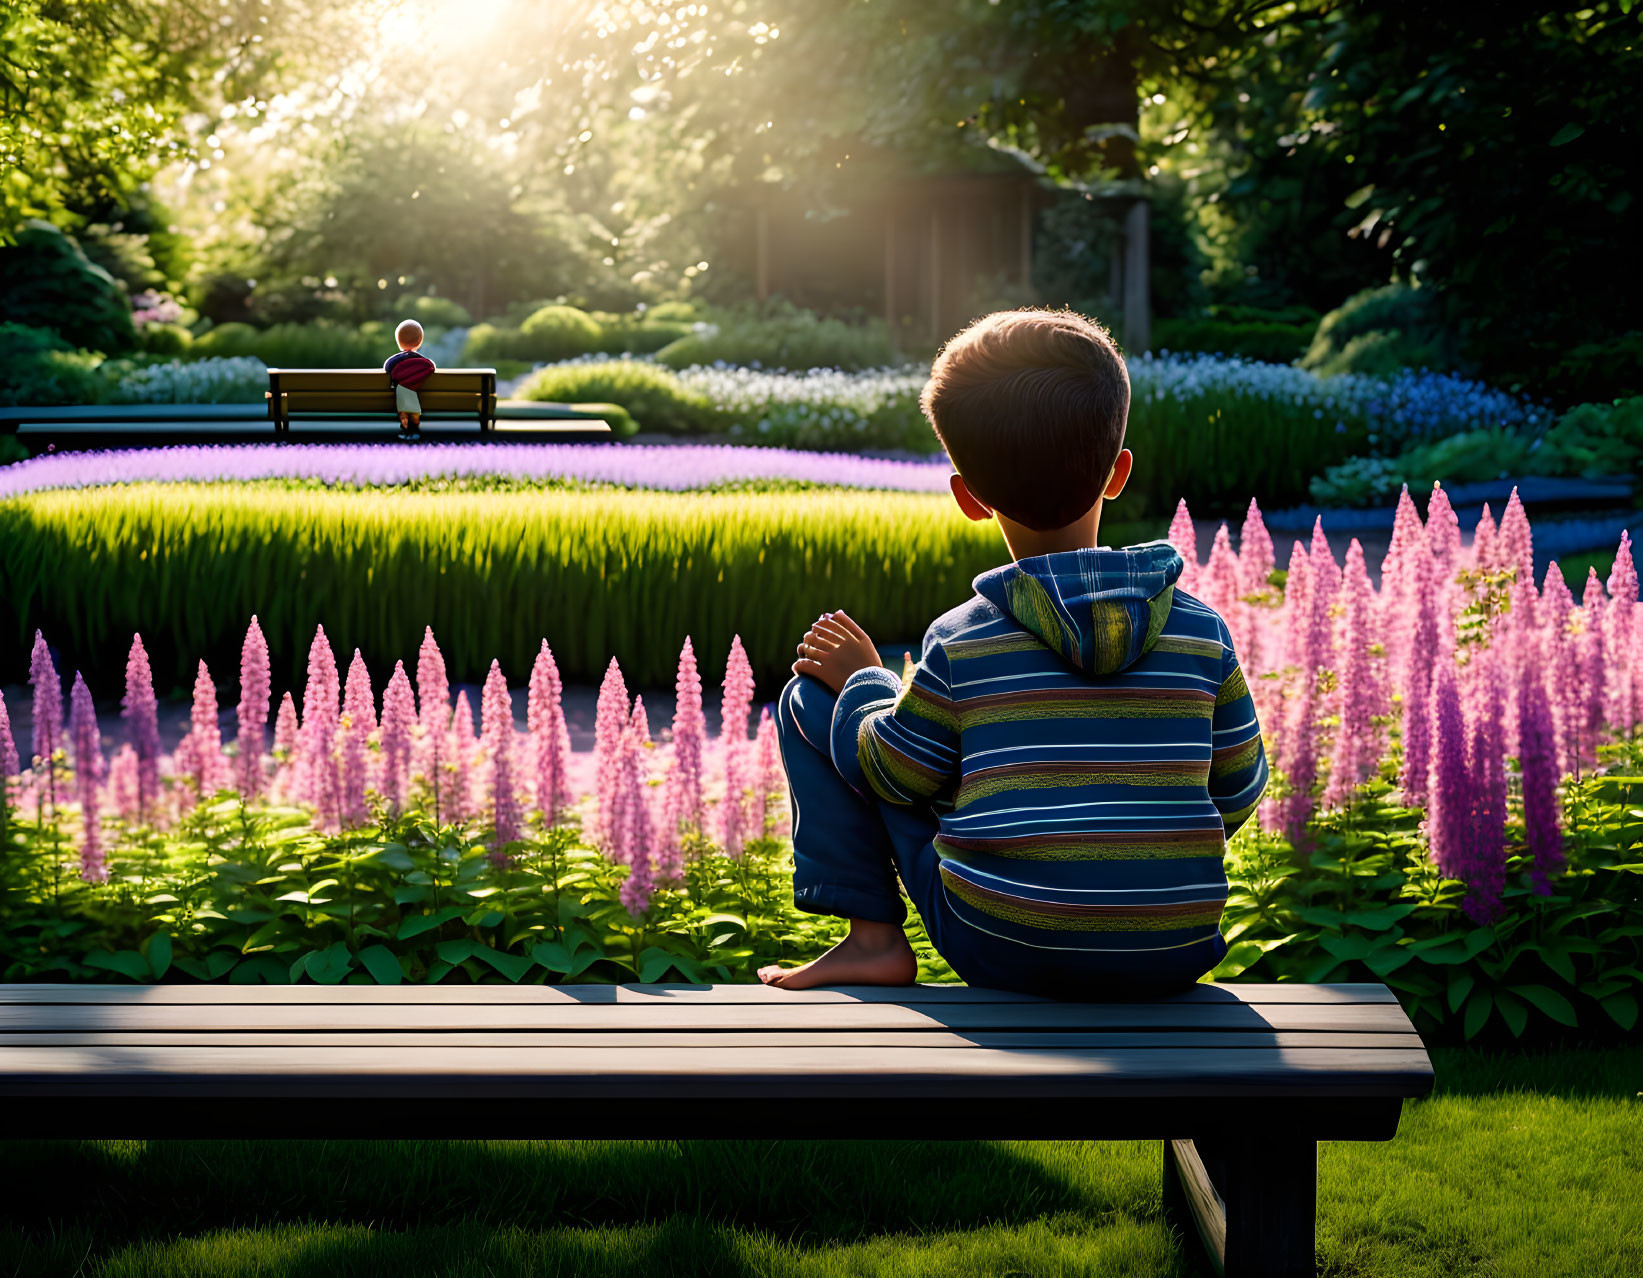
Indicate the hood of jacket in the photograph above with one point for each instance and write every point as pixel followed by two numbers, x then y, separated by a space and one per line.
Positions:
pixel 1101 608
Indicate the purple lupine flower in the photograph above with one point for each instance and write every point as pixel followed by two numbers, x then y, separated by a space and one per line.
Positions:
pixel 9 763
pixel 1220 585
pixel 48 713
pixel 463 749
pixel 1422 655
pixel 358 722
pixel 610 721
pixel 1563 672
pixel 1326 580
pixel 1255 564
pixel 433 692
pixel 1443 531
pixel 122 782
pixel 320 779
pixel 253 710
pixel 550 737
pixel 632 842
pixel 1184 537
pixel 1485 558
pixel 769 781
pixel 88 776
pixel 496 713
pixel 1538 763
pixel 1595 658
pixel 736 705
pixel 398 734
pixel 1395 607
pixel 1516 551
pixel 141 712
pixel 1619 623
pixel 682 806
pixel 1482 701
pixel 1297 747
pixel 211 769
pixel 1357 743
pixel 1449 784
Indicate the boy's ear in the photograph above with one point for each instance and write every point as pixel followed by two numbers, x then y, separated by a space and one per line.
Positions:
pixel 967 501
pixel 1120 476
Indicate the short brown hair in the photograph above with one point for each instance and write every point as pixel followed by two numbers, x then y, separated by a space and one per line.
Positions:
pixel 1031 406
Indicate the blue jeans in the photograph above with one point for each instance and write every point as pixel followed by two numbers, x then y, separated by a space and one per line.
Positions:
pixel 849 848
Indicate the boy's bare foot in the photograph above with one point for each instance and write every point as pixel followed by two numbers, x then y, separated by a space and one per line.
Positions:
pixel 873 954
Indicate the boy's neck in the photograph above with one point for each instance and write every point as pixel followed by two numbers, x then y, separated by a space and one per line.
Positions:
pixel 1029 543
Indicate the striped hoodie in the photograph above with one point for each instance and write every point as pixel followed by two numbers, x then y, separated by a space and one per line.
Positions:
pixel 1084 735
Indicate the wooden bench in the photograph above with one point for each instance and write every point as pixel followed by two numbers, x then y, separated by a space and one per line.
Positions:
pixel 468 391
pixel 1239 1082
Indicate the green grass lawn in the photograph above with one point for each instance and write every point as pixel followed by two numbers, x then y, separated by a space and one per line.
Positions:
pixel 1515 1166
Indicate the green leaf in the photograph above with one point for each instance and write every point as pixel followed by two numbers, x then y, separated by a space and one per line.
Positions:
pixel 1387 959
pixel 330 965
pixel 512 966
pixel 1548 1001
pixel 417 924
pixel 1478 1008
pixel 1347 947
pixel 1512 1012
pixel 125 962
pixel 1360 195
pixel 1623 1008
pixel 1567 134
pixel 1242 955
pixel 455 951
pixel 653 964
pixel 158 950
pixel 380 962
pixel 1460 985
pixel 737 919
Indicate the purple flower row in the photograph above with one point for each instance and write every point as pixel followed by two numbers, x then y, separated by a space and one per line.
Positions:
pixel 675 468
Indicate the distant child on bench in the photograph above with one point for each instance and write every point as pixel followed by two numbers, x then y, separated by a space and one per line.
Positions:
pixel 1056 781
pixel 407 370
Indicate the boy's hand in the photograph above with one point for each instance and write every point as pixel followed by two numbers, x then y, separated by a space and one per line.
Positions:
pixel 834 649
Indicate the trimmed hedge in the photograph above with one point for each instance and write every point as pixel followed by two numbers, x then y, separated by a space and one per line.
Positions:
pixel 598 574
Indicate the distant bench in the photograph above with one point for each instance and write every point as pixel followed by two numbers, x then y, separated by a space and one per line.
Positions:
pixel 1240 1081
pixel 468 391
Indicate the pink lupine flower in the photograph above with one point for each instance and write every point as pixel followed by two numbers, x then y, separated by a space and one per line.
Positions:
pixel 770 782
pixel 1515 549
pixel 463 749
pixel 1395 611
pixel 321 781
pixel 610 721
pixel 1620 637
pixel 1184 538
pixel 1484 555
pixel 1562 657
pixel 496 713
pixel 353 741
pixel 1483 703
pixel 1443 531
pixel 1538 763
pixel 141 712
pixel 433 691
pixel 122 782
pixel 1326 579
pixel 1297 746
pixel 1255 564
pixel 48 713
pixel 633 838
pixel 88 776
pixel 1220 585
pixel 1594 664
pixel 550 737
pixel 10 765
pixel 286 749
pixel 639 723
pixel 1449 785
pixel 1357 743
pixel 1423 653
pixel 398 731
pixel 734 709
pixel 682 805
pixel 210 769
pixel 253 710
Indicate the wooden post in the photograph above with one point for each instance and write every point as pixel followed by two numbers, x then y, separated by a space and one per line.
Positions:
pixel 761 238
pixel 1137 295
pixel 890 276
pixel 935 276
pixel 1252 1206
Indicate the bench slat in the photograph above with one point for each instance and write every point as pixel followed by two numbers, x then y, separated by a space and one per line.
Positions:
pixel 662 1042
pixel 1366 1017
pixel 451 1073
pixel 537 995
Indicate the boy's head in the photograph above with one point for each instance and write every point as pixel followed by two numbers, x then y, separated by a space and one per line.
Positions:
pixel 1031 407
pixel 408 335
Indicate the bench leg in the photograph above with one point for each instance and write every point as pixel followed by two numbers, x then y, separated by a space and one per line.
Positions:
pixel 1251 1205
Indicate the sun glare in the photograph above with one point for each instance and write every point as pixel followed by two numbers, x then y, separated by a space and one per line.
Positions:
pixel 411 24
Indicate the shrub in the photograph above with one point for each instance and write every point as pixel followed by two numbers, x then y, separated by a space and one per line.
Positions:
pixel 40 369
pixel 672 313
pixel 600 574
pixel 439 312
pixel 1381 331
pixel 1273 343
pixel 164 339
pixel 46 281
pixel 1472 457
pixel 488 344
pixel 560 332
pixel 1596 371
pixel 317 345
pixel 1598 440
pixel 636 335
pixel 238 380
pixel 782 336
pixel 655 398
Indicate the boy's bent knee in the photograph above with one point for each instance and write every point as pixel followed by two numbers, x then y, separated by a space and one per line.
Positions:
pixel 805 709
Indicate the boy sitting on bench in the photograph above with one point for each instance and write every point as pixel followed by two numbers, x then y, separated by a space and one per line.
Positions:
pixel 407 370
